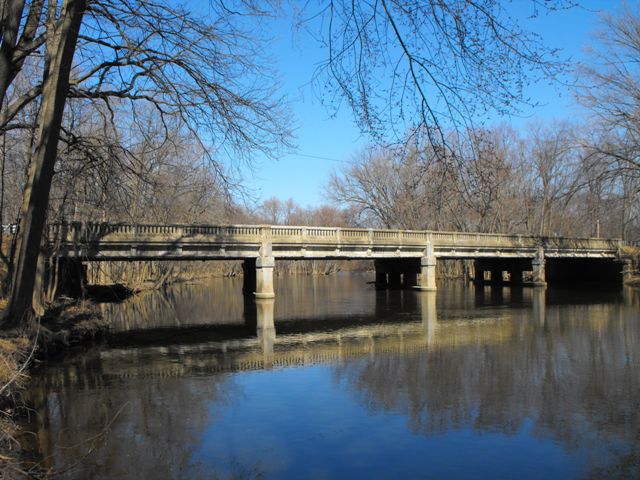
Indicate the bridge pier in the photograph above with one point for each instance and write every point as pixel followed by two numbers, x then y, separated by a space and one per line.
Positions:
pixel 539 269
pixel 258 277
pixel 428 271
pixel 264 277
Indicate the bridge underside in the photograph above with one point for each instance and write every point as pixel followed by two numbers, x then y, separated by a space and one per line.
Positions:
pixel 415 272
pixel 575 270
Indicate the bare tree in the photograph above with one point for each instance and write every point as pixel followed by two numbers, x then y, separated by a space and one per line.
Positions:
pixel 427 67
pixel 610 84
pixel 61 43
pixel 395 188
pixel 134 53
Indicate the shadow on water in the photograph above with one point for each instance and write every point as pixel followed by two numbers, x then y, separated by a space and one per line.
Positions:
pixel 198 384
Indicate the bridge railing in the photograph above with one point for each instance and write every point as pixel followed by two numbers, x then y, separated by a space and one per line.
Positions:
pixel 114 232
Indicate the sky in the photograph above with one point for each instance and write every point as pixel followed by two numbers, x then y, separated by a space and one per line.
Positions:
pixel 326 142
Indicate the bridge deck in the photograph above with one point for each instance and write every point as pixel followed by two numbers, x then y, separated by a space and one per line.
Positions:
pixel 102 242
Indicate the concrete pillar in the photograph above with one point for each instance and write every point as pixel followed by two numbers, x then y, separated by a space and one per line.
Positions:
pixel 538 264
pixel 428 270
pixel 265 328
pixel 265 263
pixel 264 277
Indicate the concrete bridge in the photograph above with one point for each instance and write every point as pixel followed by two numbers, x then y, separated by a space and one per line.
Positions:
pixel 403 258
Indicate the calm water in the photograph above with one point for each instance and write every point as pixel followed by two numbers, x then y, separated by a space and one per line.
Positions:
pixel 336 380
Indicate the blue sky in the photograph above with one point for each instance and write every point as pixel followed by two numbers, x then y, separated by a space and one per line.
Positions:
pixel 325 142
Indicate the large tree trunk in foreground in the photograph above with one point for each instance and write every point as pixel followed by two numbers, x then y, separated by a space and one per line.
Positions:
pixel 60 48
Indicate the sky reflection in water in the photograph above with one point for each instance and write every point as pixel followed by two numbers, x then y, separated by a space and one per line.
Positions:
pixel 353 383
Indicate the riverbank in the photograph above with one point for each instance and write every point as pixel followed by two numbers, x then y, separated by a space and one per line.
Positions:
pixel 66 324
pixel 16 353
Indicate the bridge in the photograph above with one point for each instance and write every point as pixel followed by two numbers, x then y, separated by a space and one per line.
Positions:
pixel 403 258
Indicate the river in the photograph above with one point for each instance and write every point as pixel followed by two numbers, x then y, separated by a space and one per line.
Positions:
pixel 334 379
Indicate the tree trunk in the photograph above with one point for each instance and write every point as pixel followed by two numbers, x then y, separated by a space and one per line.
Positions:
pixel 10 23
pixel 60 50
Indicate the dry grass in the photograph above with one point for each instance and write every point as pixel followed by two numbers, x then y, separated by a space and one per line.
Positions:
pixel 15 352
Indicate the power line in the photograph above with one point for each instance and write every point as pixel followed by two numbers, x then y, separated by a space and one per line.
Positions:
pixel 318 157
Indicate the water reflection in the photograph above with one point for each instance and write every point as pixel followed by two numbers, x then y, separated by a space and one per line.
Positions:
pixel 518 382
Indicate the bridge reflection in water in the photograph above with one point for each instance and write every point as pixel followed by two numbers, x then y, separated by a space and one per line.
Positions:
pixel 562 366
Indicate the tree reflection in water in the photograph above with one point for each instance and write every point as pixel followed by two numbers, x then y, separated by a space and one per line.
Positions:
pixel 510 362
